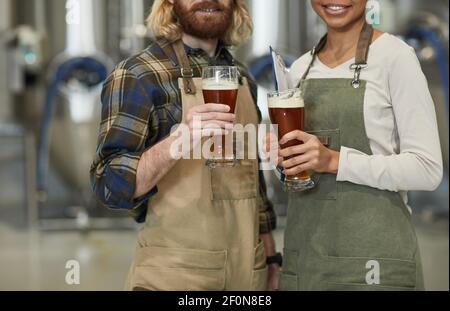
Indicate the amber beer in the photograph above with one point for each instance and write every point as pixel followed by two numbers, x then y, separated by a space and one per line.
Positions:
pixel 220 85
pixel 287 110
pixel 224 93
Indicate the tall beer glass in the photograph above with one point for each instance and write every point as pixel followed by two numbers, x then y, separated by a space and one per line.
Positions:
pixel 287 110
pixel 220 86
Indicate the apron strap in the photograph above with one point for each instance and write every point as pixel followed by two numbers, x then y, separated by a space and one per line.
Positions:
pixel 362 53
pixel 186 71
pixel 314 53
pixel 365 40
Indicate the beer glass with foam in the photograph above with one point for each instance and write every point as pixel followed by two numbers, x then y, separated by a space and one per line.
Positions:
pixel 220 86
pixel 287 110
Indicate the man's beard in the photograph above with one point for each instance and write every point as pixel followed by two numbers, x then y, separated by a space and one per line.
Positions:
pixel 204 26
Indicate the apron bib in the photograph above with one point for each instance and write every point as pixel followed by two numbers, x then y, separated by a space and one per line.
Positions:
pixel 202 229
pixel 343 236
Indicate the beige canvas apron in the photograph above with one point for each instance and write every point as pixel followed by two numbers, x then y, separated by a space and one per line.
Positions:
pixel 202 229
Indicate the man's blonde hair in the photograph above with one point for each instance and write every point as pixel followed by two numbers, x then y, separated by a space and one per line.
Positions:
pixel 163 23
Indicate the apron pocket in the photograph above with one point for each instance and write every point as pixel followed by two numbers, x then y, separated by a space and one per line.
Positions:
pixel 326 184
pixel 288 282
pixel 260 279
pixel 169 269
pixel 289 272
pixel 235 183
pixel 260 269
pixel 342 287
pixel 343 273
pixel 290 262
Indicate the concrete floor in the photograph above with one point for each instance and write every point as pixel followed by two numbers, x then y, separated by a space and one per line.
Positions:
pixel 36 260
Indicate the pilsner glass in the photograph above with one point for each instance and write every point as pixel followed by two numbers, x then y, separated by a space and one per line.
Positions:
pixel 220 85
pixel 287 110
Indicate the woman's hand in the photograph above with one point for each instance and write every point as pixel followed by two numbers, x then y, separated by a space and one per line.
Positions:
pixel 271 148
pixel 312 155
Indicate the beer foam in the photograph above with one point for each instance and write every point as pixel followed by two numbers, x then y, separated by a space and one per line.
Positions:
pixel 219 85
pixel 289 100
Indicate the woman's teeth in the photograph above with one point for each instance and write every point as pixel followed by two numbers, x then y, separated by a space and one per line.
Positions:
pixel 336 9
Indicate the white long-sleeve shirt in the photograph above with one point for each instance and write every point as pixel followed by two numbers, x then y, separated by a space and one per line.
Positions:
pixel 400 120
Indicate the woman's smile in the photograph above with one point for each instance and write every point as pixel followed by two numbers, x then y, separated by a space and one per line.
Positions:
pixel 336 9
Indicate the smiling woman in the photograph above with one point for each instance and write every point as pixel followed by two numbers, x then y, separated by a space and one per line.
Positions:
pixel 365 92
pixel 339 13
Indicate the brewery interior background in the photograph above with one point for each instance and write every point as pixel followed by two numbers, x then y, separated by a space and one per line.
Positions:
pixel 45 116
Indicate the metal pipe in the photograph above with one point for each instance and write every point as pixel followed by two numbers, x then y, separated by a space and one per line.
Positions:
pixel 80 40
pixel 5 9
pixel 133 26
pixel 40 16
pixel 266 33
pixel 5 24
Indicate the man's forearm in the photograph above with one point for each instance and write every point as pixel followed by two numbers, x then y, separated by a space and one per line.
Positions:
pixel 269 244
pixel 154 164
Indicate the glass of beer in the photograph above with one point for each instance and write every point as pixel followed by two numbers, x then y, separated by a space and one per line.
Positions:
pixel 220 85
pixel 287 110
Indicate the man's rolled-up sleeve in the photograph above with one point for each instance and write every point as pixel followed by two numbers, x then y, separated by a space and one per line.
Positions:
pixel 126 124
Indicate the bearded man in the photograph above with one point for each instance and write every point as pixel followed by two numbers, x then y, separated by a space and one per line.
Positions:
pixel 205 229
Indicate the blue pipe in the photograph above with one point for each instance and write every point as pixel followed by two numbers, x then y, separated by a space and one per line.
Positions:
pixel 422 33
pixel 62 74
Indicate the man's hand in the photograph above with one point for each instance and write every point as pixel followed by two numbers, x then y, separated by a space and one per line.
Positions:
pixel 274 278
pixel 312 155
pixel 274 270
pixel 215 118
pixel 156 162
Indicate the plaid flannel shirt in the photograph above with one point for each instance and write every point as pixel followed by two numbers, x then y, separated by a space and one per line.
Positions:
pixel 141 102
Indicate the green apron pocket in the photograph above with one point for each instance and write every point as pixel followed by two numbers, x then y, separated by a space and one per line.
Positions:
pixel 326 184
pixel 288 283
pixel 290 262
pixel 169 269
pixel 289 277
pixel 341 273
pixel 341 287
pixel 235 183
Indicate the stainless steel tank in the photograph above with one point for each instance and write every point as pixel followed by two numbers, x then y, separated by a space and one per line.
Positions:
pixel 76 113
pixel 101 29
pixel 74 132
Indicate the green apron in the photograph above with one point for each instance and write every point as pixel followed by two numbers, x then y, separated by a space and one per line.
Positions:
pixel 343 236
